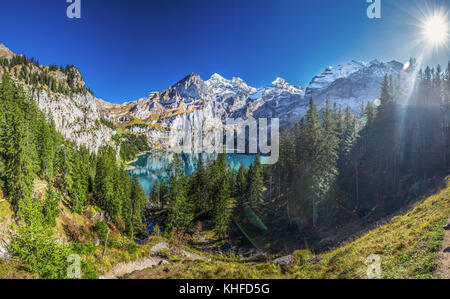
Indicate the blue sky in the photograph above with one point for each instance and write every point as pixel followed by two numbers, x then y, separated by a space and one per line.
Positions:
pixel 128 48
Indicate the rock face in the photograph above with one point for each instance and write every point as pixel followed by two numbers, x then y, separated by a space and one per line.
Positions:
pixel 5 52
pixel 73 108
pixel 76 118
pixel 351 84
pixel 194 109
pixel 201 108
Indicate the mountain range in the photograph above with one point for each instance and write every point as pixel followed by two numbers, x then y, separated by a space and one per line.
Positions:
pixel 200 104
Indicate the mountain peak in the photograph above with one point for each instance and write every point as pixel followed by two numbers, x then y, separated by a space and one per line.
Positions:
pixel 190 86
pixel 217 77
pixel 5 52
pixel 190 77
pixel 279 82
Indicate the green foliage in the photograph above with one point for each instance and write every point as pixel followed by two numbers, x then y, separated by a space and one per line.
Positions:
pixel 89 270
pixel 131 145
pixel 156 198
pixel 220 195
pixel 102 229
pixel 334 166
pixel 30 148
pixel 256 183
pixel 83 248
pixel 107 123
pixel 117 192
pixel 180 212
pixel 34 245
pixel 51 206
pixel 16 142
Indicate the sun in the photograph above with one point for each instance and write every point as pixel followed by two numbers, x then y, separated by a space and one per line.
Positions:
pixel 435 29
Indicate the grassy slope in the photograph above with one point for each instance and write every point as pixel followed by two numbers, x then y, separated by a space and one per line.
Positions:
pixel 407 245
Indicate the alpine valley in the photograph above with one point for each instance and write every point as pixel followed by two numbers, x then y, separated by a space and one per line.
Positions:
pixel 362 174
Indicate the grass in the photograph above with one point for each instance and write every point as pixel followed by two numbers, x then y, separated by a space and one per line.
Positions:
pixel 5 211
pixel 10 269
pixel 407 246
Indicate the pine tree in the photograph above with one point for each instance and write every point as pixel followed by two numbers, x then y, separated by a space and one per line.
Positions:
pixel 221 196
pixel 34 245
pixel 256 184
pixel 180 210
pixel 17 146
pixel 139 202
pixel 156 193
pixel 308 190
pixel 164 194
pixel 51 206
pixel 241 186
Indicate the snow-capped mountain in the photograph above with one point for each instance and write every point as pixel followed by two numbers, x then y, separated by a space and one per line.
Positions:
pixel 331 74
pixel 194 104
pixel 352 83
pixel 200 108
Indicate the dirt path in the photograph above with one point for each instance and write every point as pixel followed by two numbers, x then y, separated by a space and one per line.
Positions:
pixel 443 267
pixel 123 269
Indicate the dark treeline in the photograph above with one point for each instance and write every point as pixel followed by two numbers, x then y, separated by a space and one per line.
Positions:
pixel 335 166
pixel 31 149
pixel 214 190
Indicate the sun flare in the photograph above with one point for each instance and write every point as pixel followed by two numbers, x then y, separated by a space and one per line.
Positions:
pixel 435 29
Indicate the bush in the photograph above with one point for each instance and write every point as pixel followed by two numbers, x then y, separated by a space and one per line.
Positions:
pixel 102 229
pixel 88 270
pixel 84 249
pixel 39 253
pixel 302 256
pixel 132 247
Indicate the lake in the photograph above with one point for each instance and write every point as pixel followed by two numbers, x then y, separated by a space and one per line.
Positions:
pixel 154 166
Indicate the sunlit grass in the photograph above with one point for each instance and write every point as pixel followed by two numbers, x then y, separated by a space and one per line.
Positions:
pixel 407 245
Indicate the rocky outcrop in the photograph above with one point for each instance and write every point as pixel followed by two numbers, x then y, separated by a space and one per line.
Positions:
pixel 5 52
pixel 76 117
pixel 284 261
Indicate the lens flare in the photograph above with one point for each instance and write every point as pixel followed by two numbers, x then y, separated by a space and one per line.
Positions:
pixel 436 29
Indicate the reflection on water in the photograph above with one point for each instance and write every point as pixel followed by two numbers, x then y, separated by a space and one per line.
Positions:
pixel 154 166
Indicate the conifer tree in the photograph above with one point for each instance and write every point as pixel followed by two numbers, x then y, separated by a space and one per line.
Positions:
pixel 180 210
pixel 221 196
pixel 156 193
pixel 256 184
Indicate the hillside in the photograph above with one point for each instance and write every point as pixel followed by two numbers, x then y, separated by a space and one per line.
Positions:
pixel 407 244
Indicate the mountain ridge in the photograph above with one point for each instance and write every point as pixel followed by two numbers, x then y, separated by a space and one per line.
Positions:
pixel 201 105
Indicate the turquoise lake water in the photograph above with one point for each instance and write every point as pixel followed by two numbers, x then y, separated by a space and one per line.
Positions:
pixel 154 166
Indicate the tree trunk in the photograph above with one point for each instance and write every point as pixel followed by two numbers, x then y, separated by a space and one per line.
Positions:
pixel 106 244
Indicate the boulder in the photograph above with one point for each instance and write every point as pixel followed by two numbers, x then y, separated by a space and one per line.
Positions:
pixel 163 262
pixel 284 261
